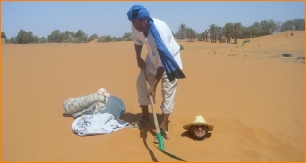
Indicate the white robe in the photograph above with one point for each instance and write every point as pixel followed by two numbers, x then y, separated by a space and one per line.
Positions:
pixel 97 124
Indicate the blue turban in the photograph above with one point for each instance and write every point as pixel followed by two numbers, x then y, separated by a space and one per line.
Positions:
pixel 139 12
pixel 170 65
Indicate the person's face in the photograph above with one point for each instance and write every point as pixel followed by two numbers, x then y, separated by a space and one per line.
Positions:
pixel 140 25
pixel 199 131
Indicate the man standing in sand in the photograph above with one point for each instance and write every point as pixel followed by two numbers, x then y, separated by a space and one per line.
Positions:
pixel 162 63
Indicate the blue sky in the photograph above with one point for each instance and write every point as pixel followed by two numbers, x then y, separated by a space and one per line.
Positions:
pixel 109 18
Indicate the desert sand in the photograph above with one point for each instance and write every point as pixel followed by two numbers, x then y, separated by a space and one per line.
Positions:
pixel 252 95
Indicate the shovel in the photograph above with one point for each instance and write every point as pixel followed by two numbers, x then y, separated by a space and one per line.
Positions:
pixel 158 134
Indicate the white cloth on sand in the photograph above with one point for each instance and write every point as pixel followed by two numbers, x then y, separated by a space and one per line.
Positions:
pixel 104 123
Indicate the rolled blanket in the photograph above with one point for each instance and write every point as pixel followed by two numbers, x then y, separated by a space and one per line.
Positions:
pixel 91 110
pixel 94 104
pixel 74 105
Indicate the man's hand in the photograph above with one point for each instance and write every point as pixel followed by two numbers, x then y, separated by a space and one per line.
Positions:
pixel 151 92
pixel 141 63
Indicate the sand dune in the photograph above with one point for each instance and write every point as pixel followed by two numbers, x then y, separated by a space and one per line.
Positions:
pixel 251 94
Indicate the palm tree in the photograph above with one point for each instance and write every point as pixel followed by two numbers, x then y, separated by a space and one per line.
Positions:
pixel 219 33
pixel 201 36
pixel 227 31
pixel 182 30
pixel 213 32
pixel 206 35
pixel 245 32
pixel 188 34
pixel 256 29
pixel 191 34
pixel 236 30
pixel 3 35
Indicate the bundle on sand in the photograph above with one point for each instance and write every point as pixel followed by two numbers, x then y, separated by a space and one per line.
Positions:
pixel 93 104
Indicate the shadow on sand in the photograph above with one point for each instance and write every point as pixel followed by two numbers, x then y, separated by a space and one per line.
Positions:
pixel 128 117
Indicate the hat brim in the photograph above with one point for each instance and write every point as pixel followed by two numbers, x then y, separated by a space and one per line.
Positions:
pixel 187 127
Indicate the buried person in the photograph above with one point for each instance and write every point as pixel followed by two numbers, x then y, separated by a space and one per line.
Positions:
pixel 198 129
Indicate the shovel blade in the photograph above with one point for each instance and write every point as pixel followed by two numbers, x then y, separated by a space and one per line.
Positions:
pixel 160 141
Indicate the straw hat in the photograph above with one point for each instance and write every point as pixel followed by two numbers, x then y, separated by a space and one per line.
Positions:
pixel 198 120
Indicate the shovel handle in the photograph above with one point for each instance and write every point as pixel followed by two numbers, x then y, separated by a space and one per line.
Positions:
pixel 158 134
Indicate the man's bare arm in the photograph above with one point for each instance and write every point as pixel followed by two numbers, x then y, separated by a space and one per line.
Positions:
pixel 140 62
